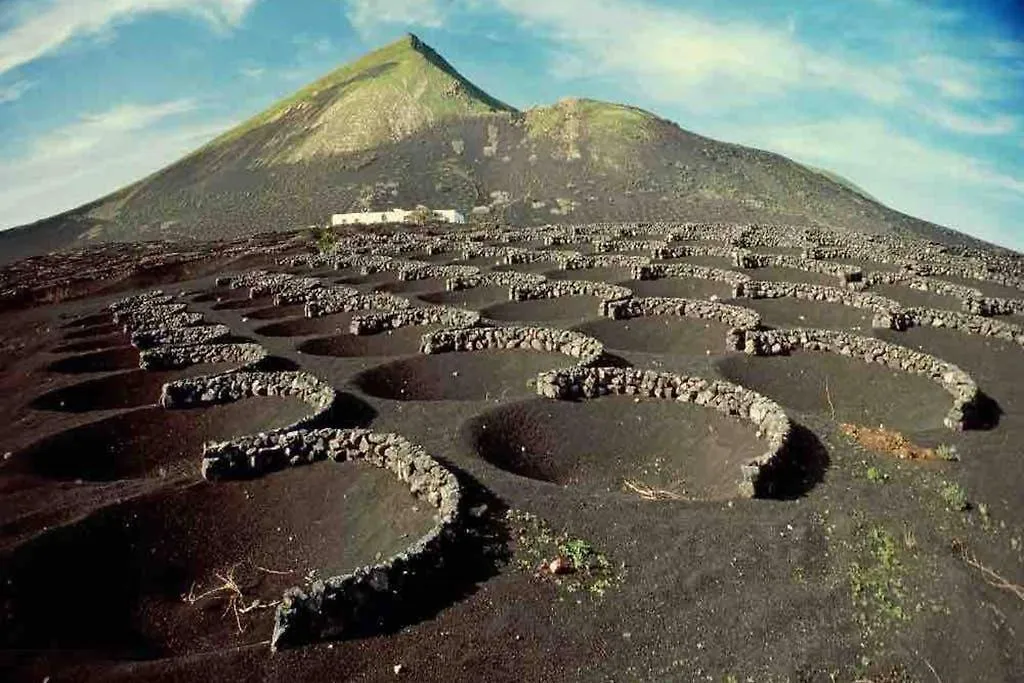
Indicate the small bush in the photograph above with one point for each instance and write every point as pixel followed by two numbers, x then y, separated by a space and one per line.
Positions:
pixel 947 452
pixel 954 496
pixel 875 475
pixel 324 239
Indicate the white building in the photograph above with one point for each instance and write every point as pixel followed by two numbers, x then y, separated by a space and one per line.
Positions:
pixel 392 216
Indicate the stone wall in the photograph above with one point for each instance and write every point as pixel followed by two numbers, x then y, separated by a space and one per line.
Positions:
pixel 585 349
pixel 956 382
pixel 346 604
pixel 657 271
pixel 235 386
pixel 173 357
pixel 372 323
pixel 551 289
pixel 179 336
pixel 736 317
pixel 506 278
pixel 773 425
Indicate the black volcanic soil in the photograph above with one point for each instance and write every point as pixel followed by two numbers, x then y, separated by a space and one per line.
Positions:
pixel 660 334
pixel 908 296
pixel 174 543
pixel 609 274
pixel 678 447
pixel 789 312
pixel 150 441
pixel 773 274
pixel 856 572
pixel 400 342
pixel 475 298
pixel 858 392
pixel 487 375
pixel 561 308
pixel 679 287
pixel 306 327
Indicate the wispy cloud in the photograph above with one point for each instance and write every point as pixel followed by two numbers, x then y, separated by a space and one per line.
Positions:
pixel 94 131
pixel 35 29
pixel 253 72
pixel 97 154
pixel 365 15
pixel 14 91
pixel 969 125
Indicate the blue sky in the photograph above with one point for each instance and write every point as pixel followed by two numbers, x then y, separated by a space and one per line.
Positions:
pixel 920 103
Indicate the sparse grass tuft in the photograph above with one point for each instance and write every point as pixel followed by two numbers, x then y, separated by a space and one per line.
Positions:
pixel 947 452
pixel 876 476
pixel 876 583
pixel 954 496
pixel 572 563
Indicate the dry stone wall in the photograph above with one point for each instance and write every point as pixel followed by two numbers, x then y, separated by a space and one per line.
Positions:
pixel 372 323
pixel 174 357
pixel 585 349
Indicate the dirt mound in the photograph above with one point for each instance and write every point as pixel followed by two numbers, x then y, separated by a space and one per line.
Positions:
pixel 544 310
pixel 151 441
pixel 476 375
pixel 401 342
pixel 679 448
pixel 305 327
pixel 119 358
pixel 789 312
pixel 679 287
pixel 660 334
pixel 844 389
pixel 139 566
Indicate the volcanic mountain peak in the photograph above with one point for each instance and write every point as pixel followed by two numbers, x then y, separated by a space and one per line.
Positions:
pixel 385 96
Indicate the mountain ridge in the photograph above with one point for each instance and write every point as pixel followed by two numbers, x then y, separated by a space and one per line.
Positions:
pixel 401 126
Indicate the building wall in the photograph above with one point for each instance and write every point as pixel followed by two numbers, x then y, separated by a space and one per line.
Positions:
pixel 391 216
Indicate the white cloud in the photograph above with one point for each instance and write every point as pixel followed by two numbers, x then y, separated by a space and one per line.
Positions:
pixel 94 131
pixel 947 187
pixel 34 30
pixel 673 55
pixel 365 15
pixel 14 91
pixel 996 125
pixel 95 155
pixel 253 72
pixel 872 149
